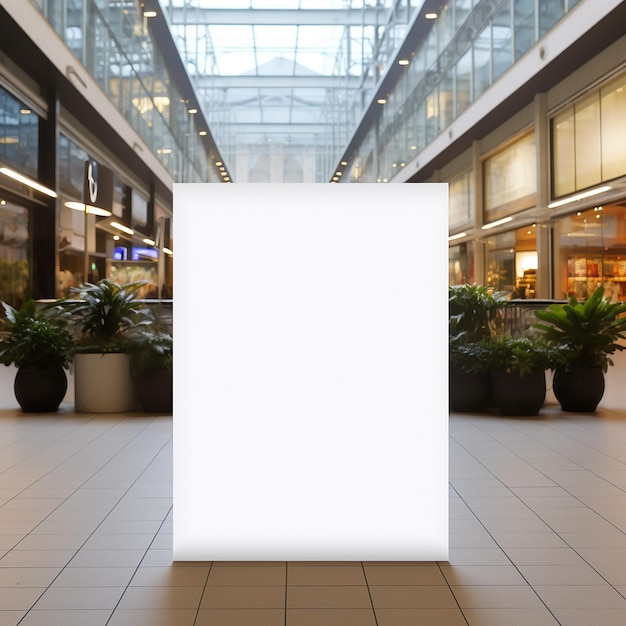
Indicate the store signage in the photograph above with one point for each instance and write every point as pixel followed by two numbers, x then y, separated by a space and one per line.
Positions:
pixel 98 185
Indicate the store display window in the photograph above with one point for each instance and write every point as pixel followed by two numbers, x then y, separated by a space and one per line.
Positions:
pixel 14 253
pixel 461 264
pixel 590 250
pixel 512 261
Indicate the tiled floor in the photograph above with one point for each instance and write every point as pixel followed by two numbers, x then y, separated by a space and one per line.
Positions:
pixel 537 521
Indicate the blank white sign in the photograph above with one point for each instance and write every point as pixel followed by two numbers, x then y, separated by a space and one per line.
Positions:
pixel 310 375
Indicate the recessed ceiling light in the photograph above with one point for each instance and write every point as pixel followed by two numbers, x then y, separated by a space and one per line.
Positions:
pixel 382 101
pixel 403 62
pixel 192 111
pixel 344 163
pixel 202 133
pixel 149 13
pixel 431 15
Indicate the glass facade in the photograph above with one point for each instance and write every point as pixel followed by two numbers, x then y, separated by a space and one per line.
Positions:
pixel 468 47
pixel 589 251
pixel 588 139
pixel 512 261
pixel 19 134
pixel 112 40
pixel 19 149
pixel 283 83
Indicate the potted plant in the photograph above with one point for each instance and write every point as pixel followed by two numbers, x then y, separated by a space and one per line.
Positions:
pixel 588 334
pixel 474 314
pixel 105 319
pixel 518 370
pixel 39 344
pixel 151 365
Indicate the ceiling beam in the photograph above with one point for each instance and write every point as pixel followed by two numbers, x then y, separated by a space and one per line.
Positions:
pixel 252 81
pixel 271 129
pixel 368 16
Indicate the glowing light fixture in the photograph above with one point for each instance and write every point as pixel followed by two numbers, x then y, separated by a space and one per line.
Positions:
pixel 382 101
pixel 168 251
pixel 92 210
pixel 150 242
pixel 124 229
pixel 580 196
pixel 504 220
pixel 457 236
pixel 431 15
pixel 344 163
pixel 202 133
pixel 29 182
pixel 403 62
pixel 192 111
pixel 149 13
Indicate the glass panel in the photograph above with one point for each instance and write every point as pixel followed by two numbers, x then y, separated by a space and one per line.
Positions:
pixel 462 205
pixel 524 26
pixel 463 82
pixel 446 101
pixel 613 105
pixel 526 262
pixel 501 262
pixel 502 41
pixel 461 264
pixel 462 9
pixel 563 154
pixel 482 61
pixel 587 123
pixel 19 134
pixel 511 179
pixel 550 12
pixel 14 254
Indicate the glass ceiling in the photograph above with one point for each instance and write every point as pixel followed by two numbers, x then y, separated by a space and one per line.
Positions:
pixel 283 83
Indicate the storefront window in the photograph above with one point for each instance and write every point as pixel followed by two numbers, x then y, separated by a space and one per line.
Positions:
pixel 588 139
pixel 511 179
pixel 462 207
pixel 613 107
pixel 19 134
pixel 461 264
pixel 14 253
pixel 512 262
pixel 589 251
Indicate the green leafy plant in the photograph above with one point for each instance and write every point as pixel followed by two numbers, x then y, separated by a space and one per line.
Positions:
pixel 520 355
pixel 474 315
pixel 151 349
pixel 107 315
pixel 474 312
pixel 35 339
pixel 470 357
pixel 587 332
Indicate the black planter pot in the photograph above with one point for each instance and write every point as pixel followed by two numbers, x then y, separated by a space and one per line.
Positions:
pixel 155 391
pixel 518 395
pixel 469 393
pixel 40 390
pixel 579 390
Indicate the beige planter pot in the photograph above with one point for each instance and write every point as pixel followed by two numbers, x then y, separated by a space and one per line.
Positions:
pixel 102 383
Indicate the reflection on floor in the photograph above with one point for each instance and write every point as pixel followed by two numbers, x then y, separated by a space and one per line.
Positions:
pixel 537 521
